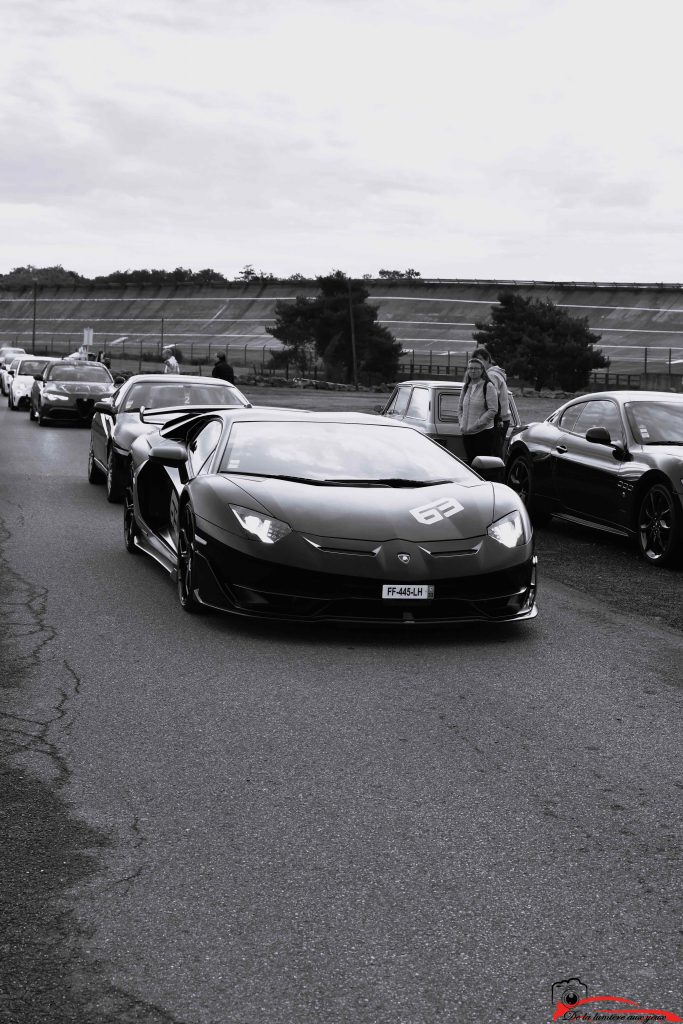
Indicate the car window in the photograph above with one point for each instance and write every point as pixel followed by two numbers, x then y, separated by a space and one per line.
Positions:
pixel 203 444
pixel 600 413
pixel 418 408
pixel 399 403
pixel 569 417
pixel 448 406
pixel 29 367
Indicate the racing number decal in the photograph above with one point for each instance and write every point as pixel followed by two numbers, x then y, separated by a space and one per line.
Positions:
pixel 173 514
pixel 437 510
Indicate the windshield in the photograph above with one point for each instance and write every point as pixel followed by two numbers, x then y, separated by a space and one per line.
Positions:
pixel 161 396
pixel 27 367
pixel 338 453
pixel 656 422
pixel 93 372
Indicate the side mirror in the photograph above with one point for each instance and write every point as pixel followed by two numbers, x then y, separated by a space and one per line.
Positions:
pixel 168 453
pixel 598 435
pixel 106 407
pixel 490 467
pixel 11 372
pixel 37 376
pixel 377 408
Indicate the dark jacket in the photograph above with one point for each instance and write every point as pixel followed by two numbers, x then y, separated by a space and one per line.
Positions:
pixel 224 371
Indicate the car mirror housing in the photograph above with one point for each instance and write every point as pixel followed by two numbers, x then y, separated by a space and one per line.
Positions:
pixel 168 453
pixel 598 435
pixel 37 376
pixel 490 467
pixel 106 407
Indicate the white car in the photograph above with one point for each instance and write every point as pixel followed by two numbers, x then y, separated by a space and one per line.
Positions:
pixel 22 372
pixel 8 353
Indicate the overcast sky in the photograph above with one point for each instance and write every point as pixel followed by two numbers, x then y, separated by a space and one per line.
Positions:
pixel 526 139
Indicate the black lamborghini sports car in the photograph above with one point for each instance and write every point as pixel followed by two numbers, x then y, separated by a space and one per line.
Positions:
pixel 296 515
pixel 611 460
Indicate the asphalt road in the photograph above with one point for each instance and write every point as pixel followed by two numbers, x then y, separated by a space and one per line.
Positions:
pixel 212 821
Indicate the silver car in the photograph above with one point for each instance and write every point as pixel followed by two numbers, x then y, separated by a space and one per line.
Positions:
pixel 431 406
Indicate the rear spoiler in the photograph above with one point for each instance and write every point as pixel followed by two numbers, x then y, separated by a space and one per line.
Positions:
pixel 178 413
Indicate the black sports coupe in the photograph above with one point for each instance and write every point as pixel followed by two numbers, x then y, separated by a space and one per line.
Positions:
pixel 296 515
pixel 611 460
pixel 116 421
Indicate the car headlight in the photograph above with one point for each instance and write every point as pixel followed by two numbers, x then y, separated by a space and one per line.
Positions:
pixel 267 530
pixel 512 530
pixel 54 396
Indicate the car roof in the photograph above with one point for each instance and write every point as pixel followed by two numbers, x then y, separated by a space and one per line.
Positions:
pixel 432 383
pixel 178 378
pixel 627 396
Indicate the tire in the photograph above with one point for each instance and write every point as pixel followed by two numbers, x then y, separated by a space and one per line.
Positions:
pixel 130 527
pixel 185 564
pixel 519 476
pixel 658 528
pixel 115 489
pixel 95 475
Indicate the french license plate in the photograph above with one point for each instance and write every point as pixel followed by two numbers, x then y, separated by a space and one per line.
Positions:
pixel 407 592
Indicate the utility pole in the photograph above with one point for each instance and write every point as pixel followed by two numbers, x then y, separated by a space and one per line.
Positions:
pixel 35 294
pixel 353 337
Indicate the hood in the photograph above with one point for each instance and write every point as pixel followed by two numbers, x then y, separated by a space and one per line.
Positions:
pixel 669 451
pixel 439 512
pixel 77 387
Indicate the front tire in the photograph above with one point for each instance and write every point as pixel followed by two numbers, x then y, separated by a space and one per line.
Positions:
pixel 94 472
pixel 658 529
pixel 115 490
pixel 130 527
pixel 520 477
pixel 185 569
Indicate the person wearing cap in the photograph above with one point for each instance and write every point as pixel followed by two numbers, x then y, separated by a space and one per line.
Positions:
pixel 170 361
pixel 223 369
pixel 496 374
pixel 477 411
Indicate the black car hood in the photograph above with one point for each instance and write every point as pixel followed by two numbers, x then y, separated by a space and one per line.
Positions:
pixel 371 513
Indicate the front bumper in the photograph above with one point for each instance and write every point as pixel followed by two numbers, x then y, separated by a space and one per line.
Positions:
pixel 75 410
pixel 232 581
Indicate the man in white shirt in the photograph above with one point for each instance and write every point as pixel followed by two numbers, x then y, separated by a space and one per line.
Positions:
pixel 170 361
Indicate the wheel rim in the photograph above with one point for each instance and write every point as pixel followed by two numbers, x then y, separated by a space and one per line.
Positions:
pixel 519 479
pixel 129 530
pixel 110 473
pixel 185 555
pixel 656 524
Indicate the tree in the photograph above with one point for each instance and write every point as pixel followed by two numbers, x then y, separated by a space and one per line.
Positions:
pixel 323 326
pixel 537 341
pixel 48 276
pixel 399 275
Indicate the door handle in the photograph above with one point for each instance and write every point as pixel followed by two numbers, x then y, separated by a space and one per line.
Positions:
pixel 561 449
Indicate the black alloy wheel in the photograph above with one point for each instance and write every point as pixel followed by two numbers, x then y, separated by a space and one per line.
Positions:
pixel 115 489
pixel 94 472
pixel 130 527
pixel 659 526
pixel 185 565
pixel 519 476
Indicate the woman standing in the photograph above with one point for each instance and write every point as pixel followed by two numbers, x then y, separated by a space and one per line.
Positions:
pixel 478 405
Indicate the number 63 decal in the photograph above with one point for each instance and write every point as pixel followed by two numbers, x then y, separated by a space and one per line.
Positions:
pixel 437 510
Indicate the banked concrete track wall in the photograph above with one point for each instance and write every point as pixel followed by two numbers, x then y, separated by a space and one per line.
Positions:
pixel 636 322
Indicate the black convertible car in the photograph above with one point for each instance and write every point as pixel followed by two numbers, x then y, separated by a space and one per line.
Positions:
pixel 612 460
pixel 295 515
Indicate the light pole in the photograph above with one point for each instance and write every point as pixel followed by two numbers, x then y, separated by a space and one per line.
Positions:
pixel 35 299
